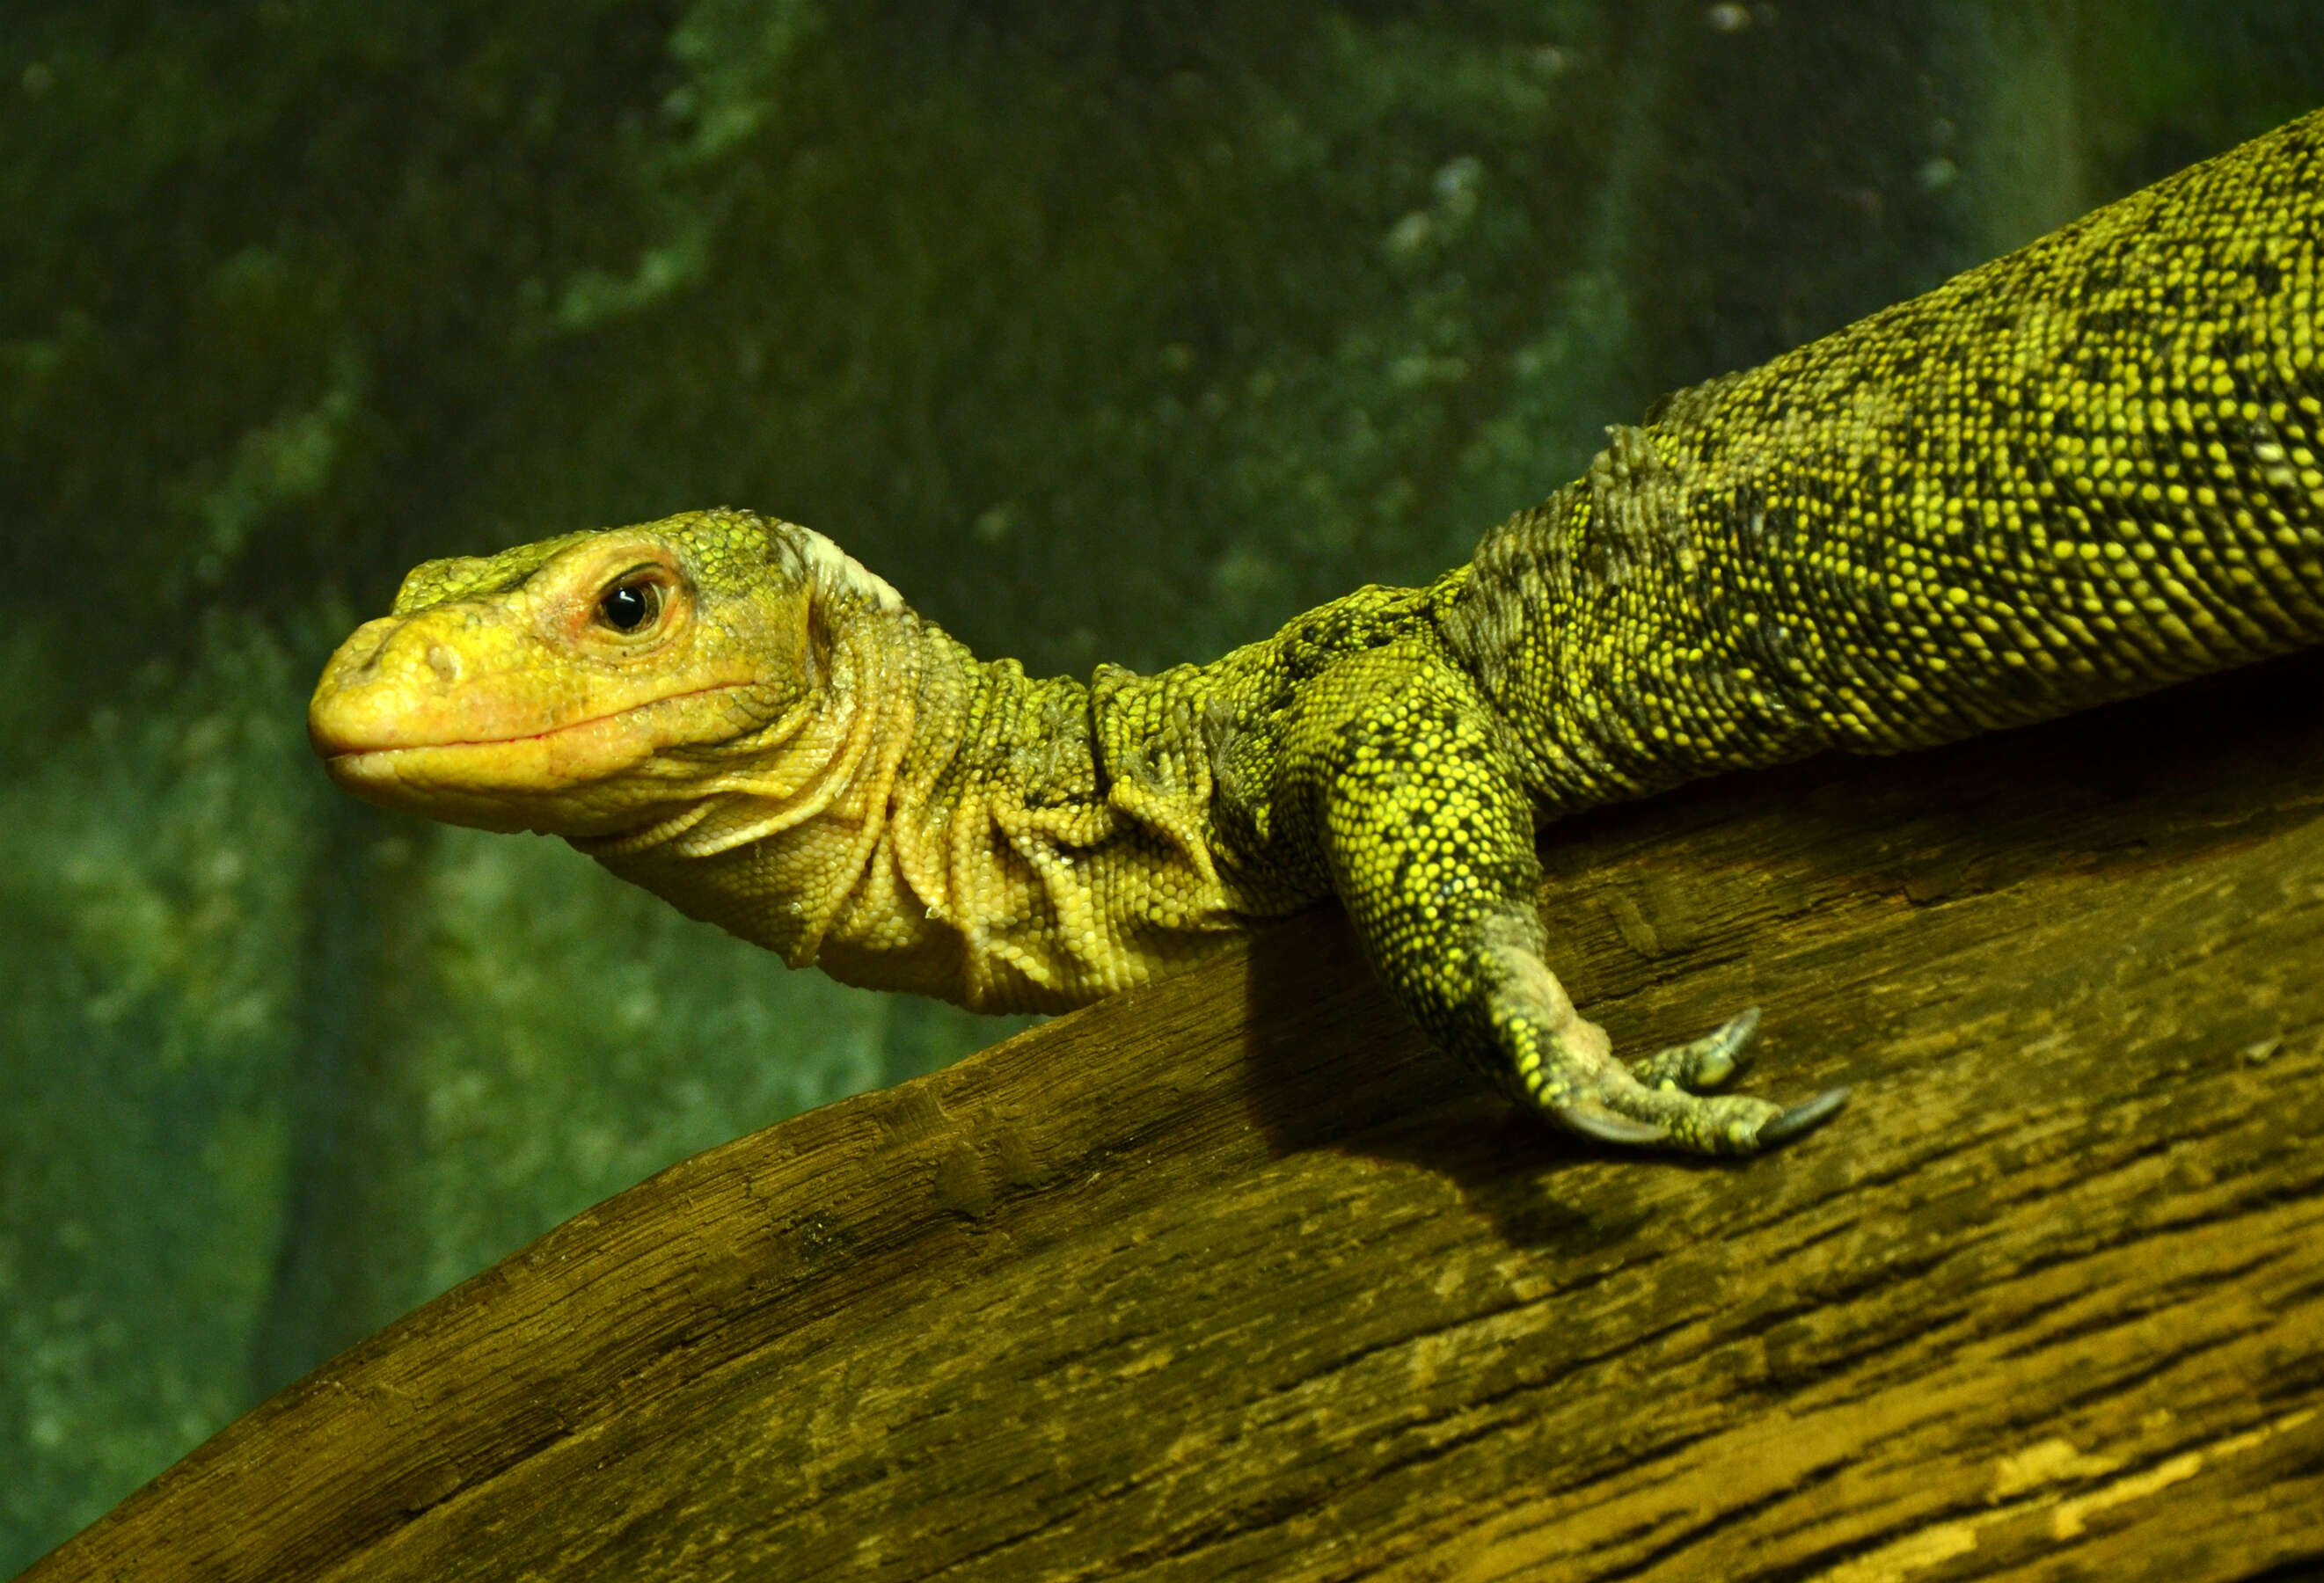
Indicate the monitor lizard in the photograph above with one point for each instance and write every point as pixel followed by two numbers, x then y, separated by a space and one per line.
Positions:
pixel 2084 470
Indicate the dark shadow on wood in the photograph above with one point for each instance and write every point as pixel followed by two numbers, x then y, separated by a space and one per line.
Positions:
pixel 1233 1277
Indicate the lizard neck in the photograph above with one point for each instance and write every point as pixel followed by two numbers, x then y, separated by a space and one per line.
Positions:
pixel 772 841
pixel 1033 827
pixel 936 824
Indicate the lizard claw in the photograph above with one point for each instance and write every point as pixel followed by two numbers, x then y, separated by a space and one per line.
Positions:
pixel 1607 1127
pixel 1802 1117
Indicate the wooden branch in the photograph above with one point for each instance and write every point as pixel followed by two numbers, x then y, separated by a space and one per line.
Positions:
pixel 1232 1278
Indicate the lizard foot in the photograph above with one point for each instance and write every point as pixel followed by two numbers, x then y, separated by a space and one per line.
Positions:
pixel 1567 1072
pixel 1712 1059
pixel 1670 1117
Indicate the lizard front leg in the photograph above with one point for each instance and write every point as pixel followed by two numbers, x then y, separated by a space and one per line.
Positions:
pixel 1424 827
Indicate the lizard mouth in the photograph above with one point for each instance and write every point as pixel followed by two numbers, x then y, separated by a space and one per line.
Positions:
pixel 338 741
pixel 569 778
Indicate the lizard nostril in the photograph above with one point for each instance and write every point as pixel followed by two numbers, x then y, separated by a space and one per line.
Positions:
pixel 444 662
pixel 360 652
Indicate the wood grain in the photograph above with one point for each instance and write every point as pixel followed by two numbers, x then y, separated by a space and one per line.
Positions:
pixel 1233 1278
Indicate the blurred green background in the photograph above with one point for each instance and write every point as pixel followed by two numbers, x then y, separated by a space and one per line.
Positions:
pixel 1107 329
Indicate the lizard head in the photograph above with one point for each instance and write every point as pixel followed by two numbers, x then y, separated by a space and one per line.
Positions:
pixel 589 684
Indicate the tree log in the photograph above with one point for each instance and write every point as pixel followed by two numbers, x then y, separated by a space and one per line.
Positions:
pixel 1234 1277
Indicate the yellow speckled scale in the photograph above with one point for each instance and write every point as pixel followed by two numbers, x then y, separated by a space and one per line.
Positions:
pixel 2082 472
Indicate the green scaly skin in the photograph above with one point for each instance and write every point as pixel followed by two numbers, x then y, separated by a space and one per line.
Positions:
pixel 2084 471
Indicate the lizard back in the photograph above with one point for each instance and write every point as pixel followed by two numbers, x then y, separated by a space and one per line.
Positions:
pixel 2083 471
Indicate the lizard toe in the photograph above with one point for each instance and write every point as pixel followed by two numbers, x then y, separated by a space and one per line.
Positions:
pixel 1701 1064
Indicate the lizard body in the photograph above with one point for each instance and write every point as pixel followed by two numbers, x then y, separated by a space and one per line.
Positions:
pixel 2080 472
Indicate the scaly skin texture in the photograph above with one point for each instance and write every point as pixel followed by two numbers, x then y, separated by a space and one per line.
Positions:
pixel 2082 472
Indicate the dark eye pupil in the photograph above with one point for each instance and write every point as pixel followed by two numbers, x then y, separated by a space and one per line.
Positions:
pixel 630 606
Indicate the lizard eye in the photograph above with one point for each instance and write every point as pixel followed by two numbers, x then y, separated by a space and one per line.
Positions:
pixel 630 607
